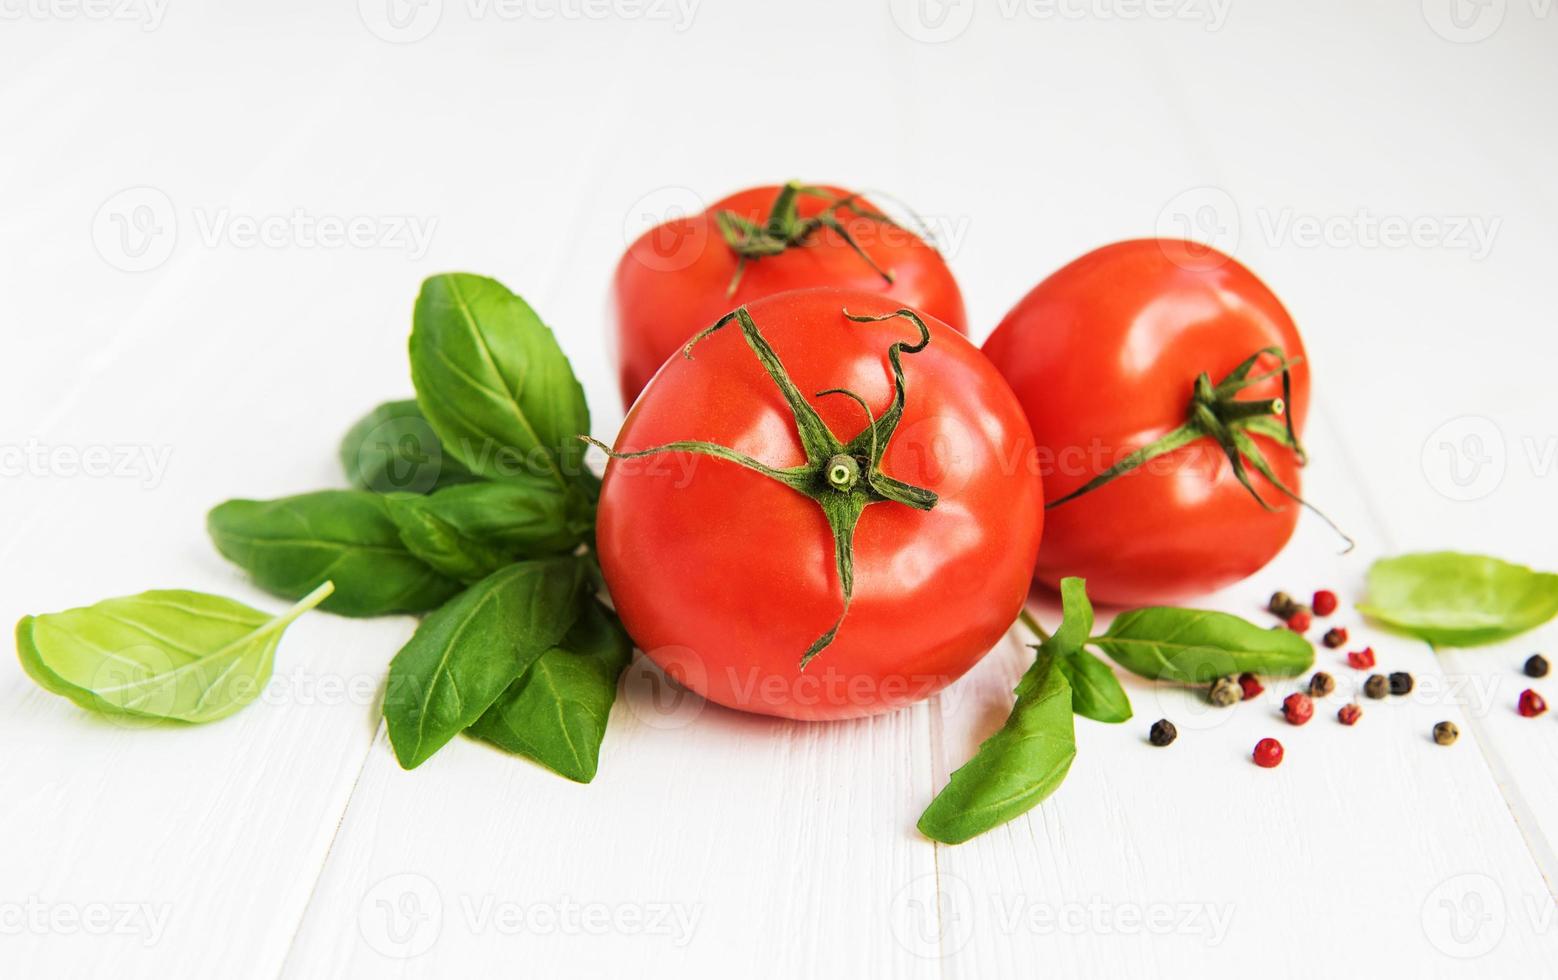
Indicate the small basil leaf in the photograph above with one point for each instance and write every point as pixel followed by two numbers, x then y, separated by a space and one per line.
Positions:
pixel 493 382
pixel 1195 646
pixel 467 653
pixel 468 532
pixel 1015 768
pixel 1095 691
pixel 291 545
pixel 1459 600
pixel 393 449
pixel 556 714
pixel 165 654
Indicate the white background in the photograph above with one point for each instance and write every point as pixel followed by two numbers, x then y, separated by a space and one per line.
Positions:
pixel 138 140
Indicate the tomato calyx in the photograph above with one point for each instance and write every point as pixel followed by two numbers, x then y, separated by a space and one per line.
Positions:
pixel 1217 413
pixel 843 478
pixel 785 229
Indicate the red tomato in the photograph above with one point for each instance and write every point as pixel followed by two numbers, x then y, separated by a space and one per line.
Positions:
pixel 725 576
pixel 1104 356
pixel 675 279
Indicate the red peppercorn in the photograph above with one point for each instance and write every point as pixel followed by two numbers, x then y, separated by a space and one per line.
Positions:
pixel 1268 753
pixel 1324 603
pixel 1531 704
pixel 1297 708
pixel 1335 637
pixel 1361 659
pixel 1349 714
pixel 1250 685
pixel 1299 621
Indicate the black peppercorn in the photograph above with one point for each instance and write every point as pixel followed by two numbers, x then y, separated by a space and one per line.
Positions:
pixel 1536 666
pixel 1377 686
pixel 1163 732
pixel 1445 733
pixel 1321 684
pixel 1400 683
pixel 1225 691
pixel 1281 605
pixel 1334 637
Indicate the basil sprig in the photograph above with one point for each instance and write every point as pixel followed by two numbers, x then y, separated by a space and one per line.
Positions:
pixel 1453 599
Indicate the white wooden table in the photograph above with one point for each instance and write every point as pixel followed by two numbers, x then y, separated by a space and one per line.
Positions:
pixel 177 327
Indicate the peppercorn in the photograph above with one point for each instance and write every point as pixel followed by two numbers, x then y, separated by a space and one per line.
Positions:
pixel 1400 683
pixel 1324 602
pixel 1377 686
pixel 1536 666
pixel 1334 637
pixel 1163 732
pixel 1225 691
pixel 1281 605
pixel 1321 684
pixel 1268 753
pixel 1349 714
pixel 1361 659
pixel 1298 709
pixel 1249 684
pixel 1300 621
pixel 1531 704
pixel 1445 733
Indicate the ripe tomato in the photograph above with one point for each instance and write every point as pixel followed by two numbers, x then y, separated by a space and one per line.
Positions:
pixel 1104 356
pixel 724 575
pixel 676 278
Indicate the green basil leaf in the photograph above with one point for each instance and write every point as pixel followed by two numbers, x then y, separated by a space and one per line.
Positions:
pixel 493 382
pixel 467 653
pixel 1015 768
pixel 1095 691
pixel 556 714
pixel 291 545
pixel 468 532
pixel 165 654
pixel 393 449
pixel 1196 646
pixel 1459 600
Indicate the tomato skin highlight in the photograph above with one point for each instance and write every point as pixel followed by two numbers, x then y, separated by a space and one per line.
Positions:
pixel 724 577
pixel 674 280
pixel 1103 355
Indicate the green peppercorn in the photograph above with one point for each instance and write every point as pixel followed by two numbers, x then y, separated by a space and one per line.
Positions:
pixel 1281 605
pixel 1163 732
pixel 1445 733
pixel 1225 691
pixel 1321 684
pixel 1536 666
pixel 1400 683
pixel 1377 686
